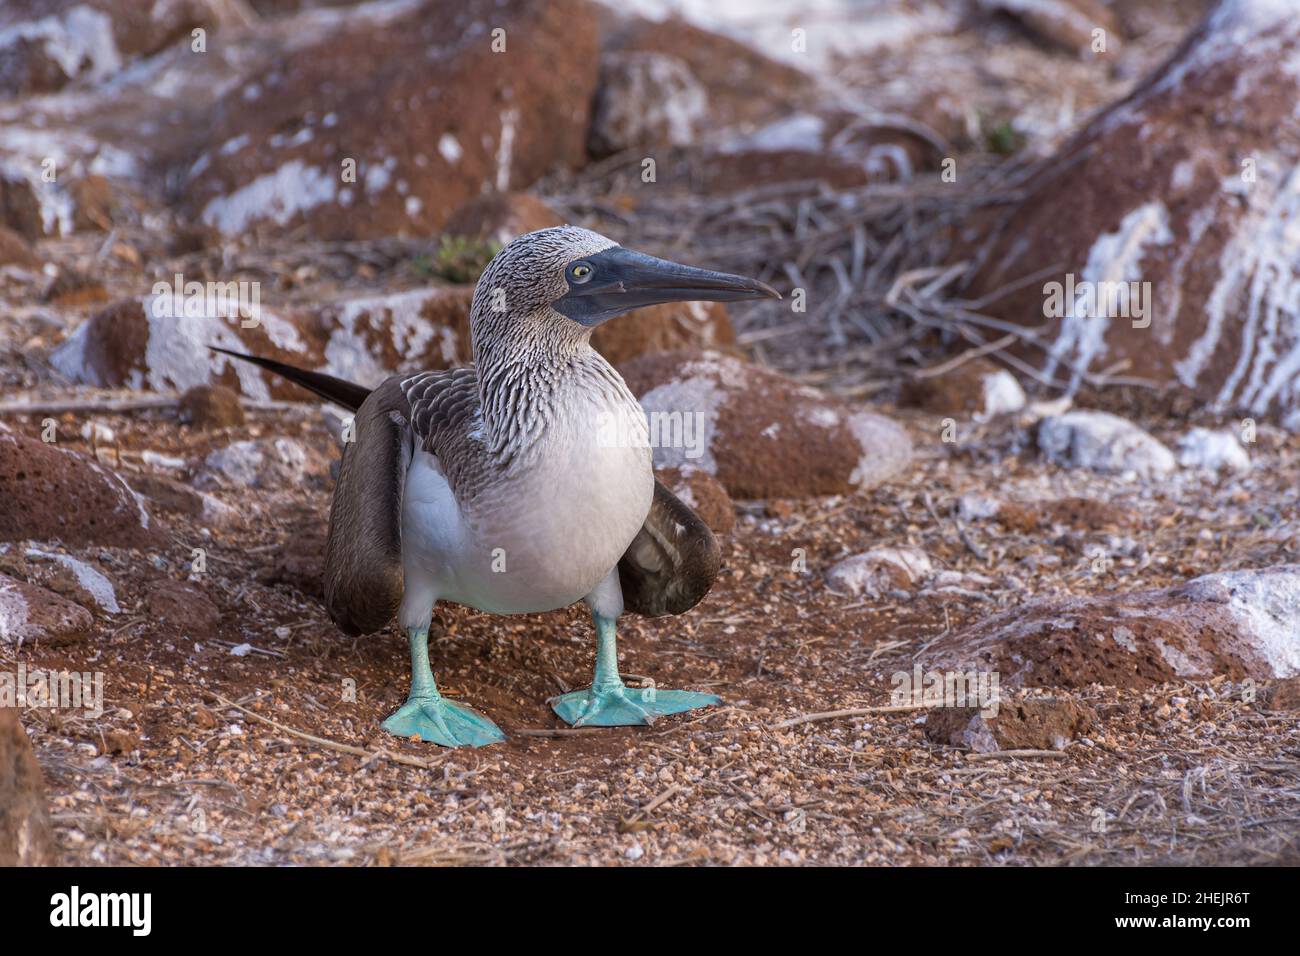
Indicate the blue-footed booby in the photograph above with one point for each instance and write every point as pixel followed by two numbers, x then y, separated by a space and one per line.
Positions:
pixel 521 483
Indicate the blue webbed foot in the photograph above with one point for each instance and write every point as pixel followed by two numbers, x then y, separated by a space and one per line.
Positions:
pixel 623 706
pixel 440 721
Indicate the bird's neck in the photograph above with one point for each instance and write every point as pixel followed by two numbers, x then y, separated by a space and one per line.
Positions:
pixel 543 385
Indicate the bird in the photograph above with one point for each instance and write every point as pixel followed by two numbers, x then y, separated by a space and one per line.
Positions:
pixel 520 483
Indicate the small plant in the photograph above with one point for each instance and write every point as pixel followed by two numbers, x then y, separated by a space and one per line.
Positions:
pixel 1003 138
pixel 460 259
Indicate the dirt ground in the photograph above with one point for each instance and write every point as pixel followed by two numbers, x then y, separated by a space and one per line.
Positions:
pixel 207 757
pixel 257 741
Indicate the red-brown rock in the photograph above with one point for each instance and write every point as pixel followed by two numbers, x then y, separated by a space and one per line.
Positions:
pixel 646 100
pixel 46 44
pixel 703 494
pixel 15 251
pixel 182 607
pixel 33 614
pixel 1038 723
pixel 759 433
pixel 1233 624
pixel 422 140
pixel 25 835
pixel 48 493
pixel 144 344
pixel 729 71
pixel 20 209
pixel 211 407
pixel 1066 25
pixel 93 204
pixel 664 328
pixel 1190 184
pixel 500 217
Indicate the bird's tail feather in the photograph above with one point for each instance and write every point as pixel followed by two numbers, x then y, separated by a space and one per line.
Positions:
pixel 336 390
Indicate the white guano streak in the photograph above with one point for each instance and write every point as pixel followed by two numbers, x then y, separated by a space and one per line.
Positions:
pixel 1115 257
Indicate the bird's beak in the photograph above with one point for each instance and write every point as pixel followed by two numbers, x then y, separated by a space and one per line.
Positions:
pixel 622 280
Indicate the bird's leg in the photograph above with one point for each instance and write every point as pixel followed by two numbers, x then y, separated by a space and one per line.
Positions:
pixel 608 702
pixel 430 716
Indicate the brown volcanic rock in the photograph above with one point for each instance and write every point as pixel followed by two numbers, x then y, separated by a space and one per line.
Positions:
pixel 208 407
pixel 49 43
pixel 47 493
pixel 1236 624
pixel 20 209
pixel 1084 514
pixel 142 344
pixel 646 100
pixel 1064 24
pixel 978 387
pixel 423 140
pixel 32 613
pixel 664 328
pixel 1281 695
pixel 92 204
pixel 500 217
pixel 15 251
pixel 1189 184
pixel 703 494
pixel 183 607
pixel 1027 724
pixel 759 433
pixel 25 835
pixel 730 72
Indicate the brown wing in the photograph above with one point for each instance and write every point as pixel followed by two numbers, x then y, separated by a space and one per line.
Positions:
pixel 363 553
pixel 673 561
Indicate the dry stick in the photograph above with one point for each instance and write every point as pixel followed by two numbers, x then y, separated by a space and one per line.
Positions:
pixel 958 361
pixel 1015 754
pixel 141 403
pixel 57 406
pixel 660 800
pixel 851 712
pixel 323 742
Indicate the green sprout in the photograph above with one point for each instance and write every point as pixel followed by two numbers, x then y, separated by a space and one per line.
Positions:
pixel 459 259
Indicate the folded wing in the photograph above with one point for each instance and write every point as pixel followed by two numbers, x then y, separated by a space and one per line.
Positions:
pixel 672 563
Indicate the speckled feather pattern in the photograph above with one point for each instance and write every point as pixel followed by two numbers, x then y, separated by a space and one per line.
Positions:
pixel 514 439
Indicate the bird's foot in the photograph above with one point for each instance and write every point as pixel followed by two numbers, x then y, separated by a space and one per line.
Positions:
pixel 623 706
pixel 440 721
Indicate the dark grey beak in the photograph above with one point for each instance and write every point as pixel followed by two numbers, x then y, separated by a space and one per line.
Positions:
pixel 619 280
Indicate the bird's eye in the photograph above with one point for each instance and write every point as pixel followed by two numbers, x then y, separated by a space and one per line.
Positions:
pixel 580 272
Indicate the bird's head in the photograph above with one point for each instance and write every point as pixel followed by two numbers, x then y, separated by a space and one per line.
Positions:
pixel 565 281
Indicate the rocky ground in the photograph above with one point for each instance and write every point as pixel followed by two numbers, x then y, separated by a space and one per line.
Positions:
pixel 895 477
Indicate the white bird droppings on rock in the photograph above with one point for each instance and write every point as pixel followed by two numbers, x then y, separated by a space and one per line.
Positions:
pixel 256 463
pixel 94 583
pixel 887 448
pixel 1209 450
pixel 1266 604
pixel 1002 395
pixel 1104 443
pixel 977 507
pixel 879 570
